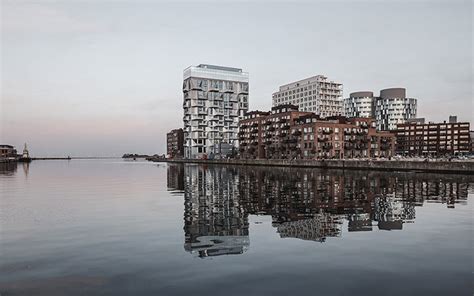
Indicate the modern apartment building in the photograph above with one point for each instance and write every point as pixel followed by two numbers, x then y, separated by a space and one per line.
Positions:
pixel 214 99
pixel 315 94
pixel 175 143
pixel 393 108
pixel 287 133
pixel 359 104
pixel 261 133
pixel 433 139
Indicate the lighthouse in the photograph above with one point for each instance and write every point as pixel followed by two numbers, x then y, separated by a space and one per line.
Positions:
pixel 26 154
pixel 25 157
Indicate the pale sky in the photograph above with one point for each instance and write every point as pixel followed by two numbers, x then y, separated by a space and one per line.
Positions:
pixel 103 78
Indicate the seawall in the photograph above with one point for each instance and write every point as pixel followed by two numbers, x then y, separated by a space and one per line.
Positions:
pixel 458 167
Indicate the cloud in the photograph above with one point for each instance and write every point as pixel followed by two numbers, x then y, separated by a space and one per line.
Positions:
pixel 41 18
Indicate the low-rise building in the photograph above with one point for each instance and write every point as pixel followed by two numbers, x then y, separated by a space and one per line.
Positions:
pixel 264 138
pixel 175 143
pixel 7 151
pixel 433 139
pixel 471 138
pixel 287 133
pixel 341 137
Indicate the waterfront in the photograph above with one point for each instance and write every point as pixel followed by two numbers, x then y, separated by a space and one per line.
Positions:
pixel 115 227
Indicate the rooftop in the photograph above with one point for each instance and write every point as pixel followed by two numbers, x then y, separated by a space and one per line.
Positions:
pixel 222 68
pixel 216 73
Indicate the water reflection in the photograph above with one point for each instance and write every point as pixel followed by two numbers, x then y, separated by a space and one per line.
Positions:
pixel 8 168
pixel 215 221
pixel 307 204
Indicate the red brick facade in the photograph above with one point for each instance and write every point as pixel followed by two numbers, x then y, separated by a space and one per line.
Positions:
pixel 287 133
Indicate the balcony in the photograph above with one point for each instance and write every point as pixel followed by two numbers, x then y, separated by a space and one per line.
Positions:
pixel 296 133
pixel 229 89
pixel 244 89
pixel 327 146
pixel 323 139
pixel 327 131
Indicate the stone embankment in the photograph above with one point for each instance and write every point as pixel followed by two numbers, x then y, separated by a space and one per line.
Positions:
pixel 459 167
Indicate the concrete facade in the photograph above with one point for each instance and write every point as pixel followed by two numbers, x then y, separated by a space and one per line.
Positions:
pixel 359 104
pixel 393 107
pixel 315 94
pixel 214 99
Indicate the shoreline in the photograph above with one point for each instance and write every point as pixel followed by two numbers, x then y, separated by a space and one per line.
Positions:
pixel 458 167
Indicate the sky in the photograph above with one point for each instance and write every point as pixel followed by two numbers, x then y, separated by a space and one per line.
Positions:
pixel 104 78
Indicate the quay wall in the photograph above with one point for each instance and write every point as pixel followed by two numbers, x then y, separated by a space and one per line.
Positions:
pixel 459 167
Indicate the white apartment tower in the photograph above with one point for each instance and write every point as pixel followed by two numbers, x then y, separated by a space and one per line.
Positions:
pixel 359 104
pixel 315 94
pixel 393 107
pixel 215 98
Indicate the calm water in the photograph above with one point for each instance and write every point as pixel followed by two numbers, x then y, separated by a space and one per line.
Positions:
pixel 113 227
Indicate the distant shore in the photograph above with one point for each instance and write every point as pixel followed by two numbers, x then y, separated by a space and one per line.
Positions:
pixel 75 157
pixel 459 167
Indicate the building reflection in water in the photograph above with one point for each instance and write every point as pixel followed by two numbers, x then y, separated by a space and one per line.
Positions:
pixel 215 222
pixel 8 168
pixel 175 178
pixel 307 204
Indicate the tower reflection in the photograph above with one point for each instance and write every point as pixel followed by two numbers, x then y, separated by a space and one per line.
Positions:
pixel 215 222
pixel 307 204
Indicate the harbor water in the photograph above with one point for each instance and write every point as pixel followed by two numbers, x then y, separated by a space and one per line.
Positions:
pixel 124 227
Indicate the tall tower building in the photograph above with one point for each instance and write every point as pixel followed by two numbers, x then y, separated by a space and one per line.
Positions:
pixel 316 94
pixel 359 104
pixel 215 99
pixel 393 107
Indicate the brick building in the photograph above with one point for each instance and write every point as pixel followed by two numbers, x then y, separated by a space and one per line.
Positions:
pixel 264 135
pixel 433 139
pixel 175 143
pixel 287 133
pixel 7 151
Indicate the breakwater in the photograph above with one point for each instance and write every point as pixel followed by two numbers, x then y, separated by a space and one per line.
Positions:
pixel 459 167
